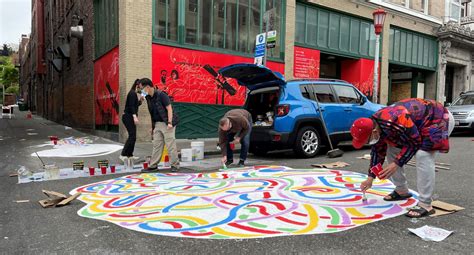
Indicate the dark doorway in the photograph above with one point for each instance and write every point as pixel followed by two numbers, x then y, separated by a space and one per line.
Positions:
pixel 448 86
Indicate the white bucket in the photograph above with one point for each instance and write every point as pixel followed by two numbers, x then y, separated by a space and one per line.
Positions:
pixel 198 148
pixel 187 155
pixel 51 172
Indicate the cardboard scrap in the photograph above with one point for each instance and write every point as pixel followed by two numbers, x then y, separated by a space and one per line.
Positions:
pixel 443 208
pixel 365 156
pixel 56 199
pixel 13 175
pixel 337 164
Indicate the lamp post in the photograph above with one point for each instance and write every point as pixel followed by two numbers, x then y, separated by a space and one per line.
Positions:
pixel 379 18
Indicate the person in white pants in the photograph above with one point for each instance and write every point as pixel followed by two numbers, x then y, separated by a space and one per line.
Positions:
pixel 411 127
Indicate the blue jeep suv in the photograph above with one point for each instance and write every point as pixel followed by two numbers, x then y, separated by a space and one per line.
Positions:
pixel 285 113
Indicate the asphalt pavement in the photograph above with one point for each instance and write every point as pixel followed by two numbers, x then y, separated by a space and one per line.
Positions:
pixel 27 228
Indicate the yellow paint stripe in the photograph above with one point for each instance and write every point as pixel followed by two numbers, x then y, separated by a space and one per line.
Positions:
pixel 221 231
pixel 354 212
pixel 313 220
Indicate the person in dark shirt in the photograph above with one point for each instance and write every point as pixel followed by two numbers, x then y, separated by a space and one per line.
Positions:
pixel 130 120
pixel 163 128
pixel 235 126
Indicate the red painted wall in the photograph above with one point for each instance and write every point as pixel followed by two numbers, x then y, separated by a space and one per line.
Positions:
pixel 106 88
pixel 179 72
pixel 306 63
pixel 359 72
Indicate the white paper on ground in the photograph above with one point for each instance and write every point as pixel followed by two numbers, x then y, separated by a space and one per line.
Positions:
pixel 429 233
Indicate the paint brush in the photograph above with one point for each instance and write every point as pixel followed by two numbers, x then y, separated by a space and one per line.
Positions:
pixel 364 197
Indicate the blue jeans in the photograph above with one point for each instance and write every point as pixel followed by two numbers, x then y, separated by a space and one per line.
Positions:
pixel 244 148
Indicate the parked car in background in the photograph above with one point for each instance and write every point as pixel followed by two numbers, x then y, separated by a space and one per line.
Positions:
pixel 462 109
pixel 285 113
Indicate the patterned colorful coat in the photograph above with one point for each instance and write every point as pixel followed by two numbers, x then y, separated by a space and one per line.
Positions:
pixel 411 124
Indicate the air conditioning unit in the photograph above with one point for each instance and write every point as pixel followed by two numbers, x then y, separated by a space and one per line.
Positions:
pixel 57 63
pixel 63 50
pixel 76 32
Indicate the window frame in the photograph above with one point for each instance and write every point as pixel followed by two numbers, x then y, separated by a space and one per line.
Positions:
pixel 246 52
pixel 313 94
pixel 359 96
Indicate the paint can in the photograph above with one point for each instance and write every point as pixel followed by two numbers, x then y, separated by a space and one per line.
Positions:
pixel 187 155
pixel 198 147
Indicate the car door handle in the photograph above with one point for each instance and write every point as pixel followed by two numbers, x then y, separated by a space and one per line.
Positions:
pixel 348 109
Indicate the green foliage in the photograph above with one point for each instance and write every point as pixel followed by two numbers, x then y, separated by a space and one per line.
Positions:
pixel 6 51
pixel 15 89
pixel 9 74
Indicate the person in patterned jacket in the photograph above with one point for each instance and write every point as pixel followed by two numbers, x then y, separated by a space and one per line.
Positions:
pixel 411 127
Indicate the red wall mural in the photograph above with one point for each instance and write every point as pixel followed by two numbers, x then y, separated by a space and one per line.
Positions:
pixel 179 72
pixel 359 72
pixel 306 63
pixel 106 88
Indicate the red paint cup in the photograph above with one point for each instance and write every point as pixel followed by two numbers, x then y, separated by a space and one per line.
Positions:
pixel 55 142
pixel 103 169
pixel 91 171
pixel 232 146
pixel 145 165
pixel 377 169
pixel 112 169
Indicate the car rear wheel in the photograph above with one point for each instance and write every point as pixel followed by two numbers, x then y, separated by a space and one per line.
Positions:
pixel 308 142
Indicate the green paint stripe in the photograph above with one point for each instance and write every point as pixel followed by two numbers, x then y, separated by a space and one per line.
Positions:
pixel 87 213
pixel 286 229
pixel 219 237
pixel 335 219
pixel 257 225
pixel 252 210
pixel 243 217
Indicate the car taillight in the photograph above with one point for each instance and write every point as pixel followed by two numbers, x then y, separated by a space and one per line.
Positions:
pixel 282 110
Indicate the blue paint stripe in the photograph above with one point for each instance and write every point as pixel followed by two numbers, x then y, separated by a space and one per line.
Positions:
pixel 169 207
pixel 244 197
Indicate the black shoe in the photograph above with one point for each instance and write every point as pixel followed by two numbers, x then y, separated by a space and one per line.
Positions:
pixel 241 163
pixel 229 162
pixel 150 170
pixel 174 169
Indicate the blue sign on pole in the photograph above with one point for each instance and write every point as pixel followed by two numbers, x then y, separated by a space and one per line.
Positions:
pixel 260 43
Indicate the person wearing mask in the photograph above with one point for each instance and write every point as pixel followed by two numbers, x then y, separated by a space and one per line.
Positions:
pixel 411 127
pixel 235 126
pixel 163 128
pixel 130 120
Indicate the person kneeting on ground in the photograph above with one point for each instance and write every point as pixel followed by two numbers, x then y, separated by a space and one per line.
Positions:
pixel 235 126
pixel 163 128
pixel 411 127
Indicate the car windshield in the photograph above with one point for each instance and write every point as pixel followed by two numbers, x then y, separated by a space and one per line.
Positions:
pixel 465 100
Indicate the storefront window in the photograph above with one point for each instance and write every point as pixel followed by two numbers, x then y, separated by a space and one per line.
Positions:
pixel 226 24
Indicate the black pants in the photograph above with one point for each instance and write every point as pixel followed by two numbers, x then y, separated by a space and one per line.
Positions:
pixel 129 146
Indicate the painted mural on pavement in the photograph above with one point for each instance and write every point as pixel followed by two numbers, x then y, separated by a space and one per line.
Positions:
pixel 251 202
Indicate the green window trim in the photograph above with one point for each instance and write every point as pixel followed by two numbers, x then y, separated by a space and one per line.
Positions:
pixel 413 49
pixel 181 26
pixel 335 32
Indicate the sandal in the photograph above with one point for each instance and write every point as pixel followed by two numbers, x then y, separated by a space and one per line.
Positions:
pixel 394 196
pixel 422 212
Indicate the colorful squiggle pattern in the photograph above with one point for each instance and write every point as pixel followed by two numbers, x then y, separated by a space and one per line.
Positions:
pixel 253 202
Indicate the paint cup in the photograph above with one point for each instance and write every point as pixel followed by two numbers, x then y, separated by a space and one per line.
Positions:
pixel 55 142
pixel 91 171
pixel 103 169
pixel 232 146
pixel 377 169
pixel 145 165
pixel 112 169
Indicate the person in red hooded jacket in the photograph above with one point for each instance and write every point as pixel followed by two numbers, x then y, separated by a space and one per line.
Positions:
pixel 411 127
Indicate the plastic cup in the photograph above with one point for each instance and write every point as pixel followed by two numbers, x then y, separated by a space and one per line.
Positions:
pixel 112 169
pixel 145 165
pixel 103 169
pixel 91 171
pixel 232 146
pixel 55 142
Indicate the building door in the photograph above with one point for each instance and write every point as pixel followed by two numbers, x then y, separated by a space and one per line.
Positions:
pixel 448 89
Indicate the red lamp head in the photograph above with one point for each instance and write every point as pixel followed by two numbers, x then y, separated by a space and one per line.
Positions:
pixel 379 18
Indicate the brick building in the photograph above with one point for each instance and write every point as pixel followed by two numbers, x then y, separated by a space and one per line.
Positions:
pixel 170 40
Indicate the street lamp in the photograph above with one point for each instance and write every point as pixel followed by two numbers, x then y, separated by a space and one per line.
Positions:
pixel 379 18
